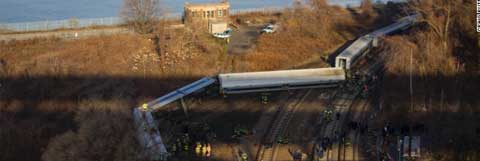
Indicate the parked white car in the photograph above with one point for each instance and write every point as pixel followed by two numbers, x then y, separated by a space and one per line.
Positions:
pixel 270 28
pixel 226 34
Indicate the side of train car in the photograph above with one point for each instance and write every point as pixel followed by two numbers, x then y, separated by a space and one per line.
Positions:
pixel 234 83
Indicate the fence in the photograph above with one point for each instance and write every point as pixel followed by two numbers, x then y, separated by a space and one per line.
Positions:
pixel 250 10
pixel 58 24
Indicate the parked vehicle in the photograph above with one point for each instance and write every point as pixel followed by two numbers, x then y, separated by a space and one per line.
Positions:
pixel 270 28
pixel 226 34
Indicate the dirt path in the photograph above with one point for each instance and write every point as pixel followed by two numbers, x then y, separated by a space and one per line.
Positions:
pixel 243 39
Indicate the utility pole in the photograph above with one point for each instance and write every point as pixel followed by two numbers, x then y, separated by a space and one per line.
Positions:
pixel 184 106
pixel 411 79
pixel 144 59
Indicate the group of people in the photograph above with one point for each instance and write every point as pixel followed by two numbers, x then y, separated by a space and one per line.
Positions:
pixel 203 150
pixel 265 99
pixel 326 143
pixel 358 126
pixel 181 144
pixel 184 144
pixel 327 114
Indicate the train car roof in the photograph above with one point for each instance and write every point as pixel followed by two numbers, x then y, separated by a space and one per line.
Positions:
pixel 356 47
pixel 401 23
pixel 179 93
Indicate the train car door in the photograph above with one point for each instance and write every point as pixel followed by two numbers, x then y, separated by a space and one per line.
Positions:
pixel 342 63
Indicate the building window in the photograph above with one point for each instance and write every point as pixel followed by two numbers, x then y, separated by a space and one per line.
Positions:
pixel 220 13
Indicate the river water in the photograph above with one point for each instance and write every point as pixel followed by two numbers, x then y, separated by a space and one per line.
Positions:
pixel 42 10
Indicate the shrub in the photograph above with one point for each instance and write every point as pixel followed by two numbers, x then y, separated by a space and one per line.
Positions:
pixel 105 133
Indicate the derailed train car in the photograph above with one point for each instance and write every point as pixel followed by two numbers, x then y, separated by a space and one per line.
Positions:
pixel 280 80
pixel 347 58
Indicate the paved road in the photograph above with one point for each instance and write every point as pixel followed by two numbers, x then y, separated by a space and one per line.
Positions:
pixel 73 34
pixel 243 40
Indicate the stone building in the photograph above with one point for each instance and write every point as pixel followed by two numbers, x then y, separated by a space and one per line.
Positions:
pixel 206 11
pixel 211 15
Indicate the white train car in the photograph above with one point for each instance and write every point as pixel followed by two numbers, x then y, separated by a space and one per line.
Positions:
pixel 147 131
pixel 149 135
pixel 362 45
pixel 402 24
pixel 280 80
pixel 180 93
pixel 348 57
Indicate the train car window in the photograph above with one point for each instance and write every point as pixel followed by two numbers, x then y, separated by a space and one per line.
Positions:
pixel 342 63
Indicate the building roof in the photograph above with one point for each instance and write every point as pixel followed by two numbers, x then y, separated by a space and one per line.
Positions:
pixel 201 6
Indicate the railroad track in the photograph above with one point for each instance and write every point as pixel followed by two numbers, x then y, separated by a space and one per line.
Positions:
pixel 268 150
pixel 351 152
pixel 334 153
pixel 341 103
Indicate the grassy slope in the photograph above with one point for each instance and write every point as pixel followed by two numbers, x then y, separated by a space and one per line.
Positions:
pixel 46 80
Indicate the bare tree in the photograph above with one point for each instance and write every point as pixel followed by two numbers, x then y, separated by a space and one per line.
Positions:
pixel 319 4
pixel 105 132
pixel 319 21
pixel 438 14
pixel 141 15
pixel 367 8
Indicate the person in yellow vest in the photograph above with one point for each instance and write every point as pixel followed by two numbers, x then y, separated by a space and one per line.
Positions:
pixel 204 150
pixel 185 147
pixel 198 149
pixel 209 150
pixel 186 142
pixel 244 156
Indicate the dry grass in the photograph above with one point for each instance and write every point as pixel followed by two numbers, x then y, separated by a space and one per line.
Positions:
pixel 46 80
pixel 88 56
pixel 109 55
pixel 303 34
